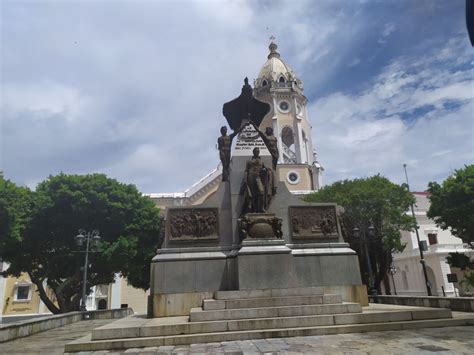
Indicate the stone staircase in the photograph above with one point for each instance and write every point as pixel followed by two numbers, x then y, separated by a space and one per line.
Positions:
pixel 256 314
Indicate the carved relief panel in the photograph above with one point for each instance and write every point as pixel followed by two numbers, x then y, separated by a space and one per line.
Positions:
pixel 193 224
pixel 313 222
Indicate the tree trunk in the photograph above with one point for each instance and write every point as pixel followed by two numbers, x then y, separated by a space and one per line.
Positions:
pixel 43 296
pixel 386 283
pixel 65 292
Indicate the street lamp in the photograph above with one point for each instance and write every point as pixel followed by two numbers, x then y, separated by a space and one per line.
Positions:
pixel 422 260
pixel 92 239
pixel 363 241
pixel 393 271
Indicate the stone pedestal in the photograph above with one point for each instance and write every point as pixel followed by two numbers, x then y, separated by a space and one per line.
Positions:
pixel 215 247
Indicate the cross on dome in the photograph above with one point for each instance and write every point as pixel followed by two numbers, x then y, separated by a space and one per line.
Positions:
pixel 273 48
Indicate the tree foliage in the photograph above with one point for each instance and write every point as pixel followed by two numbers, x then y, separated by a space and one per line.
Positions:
pixel 45 247
pixel 452 203
pixel 374 200
pixel 460 260
pixel 463 262
pixel 15 210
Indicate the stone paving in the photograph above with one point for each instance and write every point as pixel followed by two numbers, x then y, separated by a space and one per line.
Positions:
pixel 51 341
pixel 449 340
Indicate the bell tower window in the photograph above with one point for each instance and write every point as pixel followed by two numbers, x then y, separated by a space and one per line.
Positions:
pixel 284 106
pixel 288 140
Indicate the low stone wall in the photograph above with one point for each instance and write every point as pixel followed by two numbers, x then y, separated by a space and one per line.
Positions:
pixel 461 304
pixel 25 328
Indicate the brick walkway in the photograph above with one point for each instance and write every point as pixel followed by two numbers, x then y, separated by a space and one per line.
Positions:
pixel 451 340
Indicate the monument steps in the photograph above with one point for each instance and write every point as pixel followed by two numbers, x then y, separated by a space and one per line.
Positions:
pixel 182 325
pixel 187 327
pixel 269 292
pixel 285 313
pixel 238 303
pixel 200 315
pixel 87 344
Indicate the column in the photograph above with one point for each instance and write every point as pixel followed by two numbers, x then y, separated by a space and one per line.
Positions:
pixel 276 130
pixel 3 281
pixel 115 299
pixel 299 135
pixel 309 137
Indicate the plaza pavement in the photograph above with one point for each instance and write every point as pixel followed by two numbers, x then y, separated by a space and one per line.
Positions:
pixel 450 340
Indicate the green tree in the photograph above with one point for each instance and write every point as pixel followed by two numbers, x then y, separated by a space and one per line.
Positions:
pixel 374 200
pixel 463 262
pixel 15 210
pixel 129 227
pixel 452 203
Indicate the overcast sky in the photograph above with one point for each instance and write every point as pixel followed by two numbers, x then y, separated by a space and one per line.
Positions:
pixel 135 89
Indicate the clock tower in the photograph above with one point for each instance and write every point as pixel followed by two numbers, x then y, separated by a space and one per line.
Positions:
pixel 278 85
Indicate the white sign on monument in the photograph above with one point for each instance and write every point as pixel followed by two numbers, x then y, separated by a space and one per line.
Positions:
pixel 247 140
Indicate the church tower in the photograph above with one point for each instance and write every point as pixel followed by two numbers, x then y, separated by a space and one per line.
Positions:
pixel 278 86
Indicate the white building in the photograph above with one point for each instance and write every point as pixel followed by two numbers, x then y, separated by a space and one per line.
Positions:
pixel 2 289
pixel 409 278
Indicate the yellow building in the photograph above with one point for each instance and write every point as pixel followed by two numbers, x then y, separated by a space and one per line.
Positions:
pixel 19 297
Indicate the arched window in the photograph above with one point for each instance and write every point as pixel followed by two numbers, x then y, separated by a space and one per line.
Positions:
pixel 264 83
pixel 282 79
pixel 102 304
pixel 287 136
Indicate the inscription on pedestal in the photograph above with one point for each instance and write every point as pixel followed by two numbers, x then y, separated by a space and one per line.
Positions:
pixel 247 140
pixel 313 222
pixel 193 224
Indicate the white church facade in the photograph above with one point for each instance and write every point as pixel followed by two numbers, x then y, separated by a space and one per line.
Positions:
pixel 277 85
pixel 409 279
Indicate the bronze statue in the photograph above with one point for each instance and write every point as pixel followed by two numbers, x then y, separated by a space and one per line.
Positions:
pixel 271 142
pixel 224 143
pixel 259 183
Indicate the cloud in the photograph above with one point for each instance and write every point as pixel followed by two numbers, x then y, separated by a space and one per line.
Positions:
pixel 388 29
pixel 413 112
pixel 135 89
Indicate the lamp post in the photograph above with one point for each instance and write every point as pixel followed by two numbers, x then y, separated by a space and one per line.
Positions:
pixel 393 271
pixel 363 240
pixel 422 260
pixel 92 239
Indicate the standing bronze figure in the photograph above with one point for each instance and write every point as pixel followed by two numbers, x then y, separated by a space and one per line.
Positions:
pixel 259 183
pixel 271 142
pixel 224 143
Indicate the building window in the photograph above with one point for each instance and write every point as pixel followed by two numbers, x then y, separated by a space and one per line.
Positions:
pixel 22 293
pixel 264 83
pixel 284 106
pixel 281 80
pixel 287 136
pixel 293 177
pixel 432 238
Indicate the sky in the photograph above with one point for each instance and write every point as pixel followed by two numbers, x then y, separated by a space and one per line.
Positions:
pixel 134 89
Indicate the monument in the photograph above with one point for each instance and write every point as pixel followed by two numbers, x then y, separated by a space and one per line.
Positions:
pixel 252 233
pixel 254 260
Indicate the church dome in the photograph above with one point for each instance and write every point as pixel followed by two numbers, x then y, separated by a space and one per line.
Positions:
pixel 275 70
